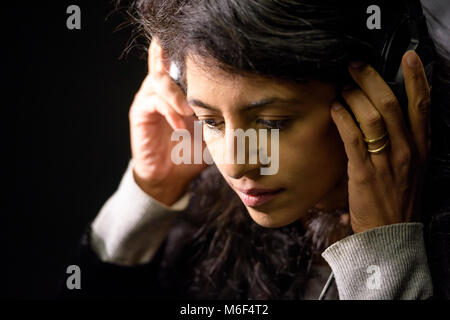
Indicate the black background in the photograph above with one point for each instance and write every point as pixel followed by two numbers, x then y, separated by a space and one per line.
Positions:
pixel 67 133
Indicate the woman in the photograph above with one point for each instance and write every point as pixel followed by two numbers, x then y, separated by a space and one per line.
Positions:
pixel 347 196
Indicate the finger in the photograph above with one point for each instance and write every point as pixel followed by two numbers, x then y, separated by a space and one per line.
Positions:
pixel 175 120
pixel 158 59
pixel 163 84
pixel 384 100
pixel 146 87
pixel 418 93
pixel 368 117
pixel 151 61
pixel 154 57
pixel 155 103
pixel 370 122
pixel 350 135
pixel 168 90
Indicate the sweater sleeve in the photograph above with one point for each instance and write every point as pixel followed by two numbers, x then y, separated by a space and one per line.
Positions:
pixel 131 225
pixel 387 262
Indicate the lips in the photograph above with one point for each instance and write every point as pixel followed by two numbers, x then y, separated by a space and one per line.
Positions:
pixel 256 197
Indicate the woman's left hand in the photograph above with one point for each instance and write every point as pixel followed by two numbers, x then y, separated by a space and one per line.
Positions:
pixel 385 186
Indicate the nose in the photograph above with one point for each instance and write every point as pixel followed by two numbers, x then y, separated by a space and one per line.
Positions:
pixel 237 171
pixel 237 159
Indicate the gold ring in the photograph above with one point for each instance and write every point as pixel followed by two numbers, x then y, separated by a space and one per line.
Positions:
pixel 380 148
pixel 376 139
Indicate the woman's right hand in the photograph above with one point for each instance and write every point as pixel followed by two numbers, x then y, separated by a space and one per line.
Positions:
pixel 159 107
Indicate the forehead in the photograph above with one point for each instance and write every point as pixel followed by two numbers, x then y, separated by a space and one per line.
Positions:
pixel 206 80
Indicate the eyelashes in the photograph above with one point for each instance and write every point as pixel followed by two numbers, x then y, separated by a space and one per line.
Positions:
pixel 269 124
pixel 274 124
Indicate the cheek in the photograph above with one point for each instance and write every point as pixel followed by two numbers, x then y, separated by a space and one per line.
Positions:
pixel 322 138
pixel 314 150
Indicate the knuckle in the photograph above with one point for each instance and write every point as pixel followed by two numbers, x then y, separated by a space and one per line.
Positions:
pixel 373 119
pixel 423 105
pixel 131 113
pixel 136 101
pixel 142 104
pixel 404 159
pixel 388 102
pixel 362 176
pixel 354 139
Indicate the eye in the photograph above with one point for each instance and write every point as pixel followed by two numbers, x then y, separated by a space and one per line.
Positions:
pixel 274 124
pixel 271 124
pixel 210 123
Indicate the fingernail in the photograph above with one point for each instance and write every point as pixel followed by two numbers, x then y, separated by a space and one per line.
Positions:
pixel 412 59
pixel 356 64
pixel 336 106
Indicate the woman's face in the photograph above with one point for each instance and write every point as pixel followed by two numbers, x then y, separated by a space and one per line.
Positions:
pixel 312 160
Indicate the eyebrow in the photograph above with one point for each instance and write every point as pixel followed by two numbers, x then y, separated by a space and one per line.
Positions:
pixel 250 106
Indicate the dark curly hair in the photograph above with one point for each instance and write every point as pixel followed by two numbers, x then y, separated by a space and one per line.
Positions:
pixel 231 256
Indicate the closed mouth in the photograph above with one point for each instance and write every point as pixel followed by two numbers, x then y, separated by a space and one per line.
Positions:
pixel 253 198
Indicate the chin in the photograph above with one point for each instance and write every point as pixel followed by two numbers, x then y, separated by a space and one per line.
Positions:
pixel 275 219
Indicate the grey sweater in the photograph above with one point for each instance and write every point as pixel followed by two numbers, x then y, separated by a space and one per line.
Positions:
pixel 387 262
